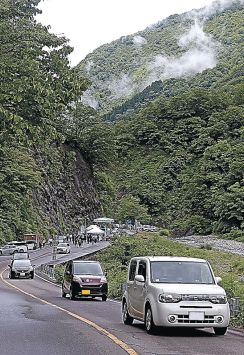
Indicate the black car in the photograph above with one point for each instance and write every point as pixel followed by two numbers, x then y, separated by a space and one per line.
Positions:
pixel 21 268
pixel 84 279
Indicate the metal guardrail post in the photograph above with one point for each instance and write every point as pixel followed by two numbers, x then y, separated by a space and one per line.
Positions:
pixel 234 306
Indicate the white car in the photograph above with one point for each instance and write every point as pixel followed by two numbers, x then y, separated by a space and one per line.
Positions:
pixel 63 248
pixel 174 292
pixel 8 249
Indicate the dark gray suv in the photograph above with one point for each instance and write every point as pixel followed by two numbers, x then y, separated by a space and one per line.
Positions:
pixel 84 279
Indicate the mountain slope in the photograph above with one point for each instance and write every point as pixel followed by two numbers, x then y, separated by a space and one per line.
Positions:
pixel 193 46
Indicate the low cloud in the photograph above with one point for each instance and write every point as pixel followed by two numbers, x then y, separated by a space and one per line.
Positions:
pixel 121 87
pixel 200 56
pixel 139 41
pixel 198 53
pixel 89 100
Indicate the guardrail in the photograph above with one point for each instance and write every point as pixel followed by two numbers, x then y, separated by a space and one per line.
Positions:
pixel 48 270
pixel 237 311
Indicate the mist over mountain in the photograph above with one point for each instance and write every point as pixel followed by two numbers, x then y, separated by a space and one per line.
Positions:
pixel 180 46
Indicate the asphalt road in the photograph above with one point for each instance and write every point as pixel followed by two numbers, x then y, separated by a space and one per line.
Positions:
pixel 36 320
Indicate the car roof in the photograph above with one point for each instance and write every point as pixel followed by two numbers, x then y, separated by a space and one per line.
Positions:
pixel 169 258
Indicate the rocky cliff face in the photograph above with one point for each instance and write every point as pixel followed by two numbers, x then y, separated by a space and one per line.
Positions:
pixel 67 195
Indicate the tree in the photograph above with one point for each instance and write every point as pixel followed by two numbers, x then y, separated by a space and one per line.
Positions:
pixel 37 82
pixel 129 208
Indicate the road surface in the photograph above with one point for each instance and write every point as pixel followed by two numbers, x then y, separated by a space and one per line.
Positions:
pixel 36 320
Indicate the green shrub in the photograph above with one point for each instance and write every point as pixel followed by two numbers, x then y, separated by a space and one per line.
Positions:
pixel 235 233
pixel 58 273
pixel 164 232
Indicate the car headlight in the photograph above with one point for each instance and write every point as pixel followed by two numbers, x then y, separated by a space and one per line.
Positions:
pixel 218 299
pixel 169 298
pixel 103 279
pixel 76 278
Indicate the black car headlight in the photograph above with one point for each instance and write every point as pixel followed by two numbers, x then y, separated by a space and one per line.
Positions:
pixel 218 299
pixel 169 297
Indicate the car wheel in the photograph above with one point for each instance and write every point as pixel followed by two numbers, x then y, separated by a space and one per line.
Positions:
pixel 149 324
pixel 32 276
pixel 72 294
pixel 104 298
pixel 220 331
pixel 127 319
pixel 1 253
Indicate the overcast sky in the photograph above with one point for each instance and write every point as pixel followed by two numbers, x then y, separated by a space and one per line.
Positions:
pixel 90 23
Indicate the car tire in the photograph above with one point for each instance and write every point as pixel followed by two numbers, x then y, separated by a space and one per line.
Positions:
pixel 32 276
pixel 104 298
pixel 149 324
pixel 72 294
pixel 220 331
pixel 127 319
pixel 1 253
pixel 12 275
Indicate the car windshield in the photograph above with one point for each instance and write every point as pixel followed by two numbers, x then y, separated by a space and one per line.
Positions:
pixel 88 269
pixel 22 263
pixel 185 272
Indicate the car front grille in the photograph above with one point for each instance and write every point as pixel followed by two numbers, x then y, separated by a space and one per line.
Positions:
pixel 92 287
pixel 184 318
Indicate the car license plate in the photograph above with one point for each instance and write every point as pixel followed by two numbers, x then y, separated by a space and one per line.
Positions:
pixel 85 292
pixel 196 316
pixel 22 274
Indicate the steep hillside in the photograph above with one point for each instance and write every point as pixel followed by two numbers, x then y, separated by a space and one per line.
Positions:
pixel 193 46
pixel 182 158
pixel 47 182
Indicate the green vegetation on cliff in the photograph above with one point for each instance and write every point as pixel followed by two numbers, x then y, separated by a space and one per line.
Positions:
pixel 42 179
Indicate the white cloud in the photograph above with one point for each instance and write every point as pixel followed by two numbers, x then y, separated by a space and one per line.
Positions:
pixel 139 41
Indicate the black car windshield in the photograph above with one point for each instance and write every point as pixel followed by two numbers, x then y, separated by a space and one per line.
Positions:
pixel 21 263
pixel 185 272
pixel 88 269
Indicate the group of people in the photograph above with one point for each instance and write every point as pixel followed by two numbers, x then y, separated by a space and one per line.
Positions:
pixel 79 240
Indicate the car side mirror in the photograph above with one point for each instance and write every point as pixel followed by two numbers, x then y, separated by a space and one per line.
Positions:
pixel 218 279
pixel 139 278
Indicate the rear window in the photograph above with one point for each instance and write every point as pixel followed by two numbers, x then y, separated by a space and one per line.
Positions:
pixel 88 269
pixel 21 256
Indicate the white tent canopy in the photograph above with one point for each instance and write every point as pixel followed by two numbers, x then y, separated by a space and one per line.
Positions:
pixel 95 230
pixel 91 227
